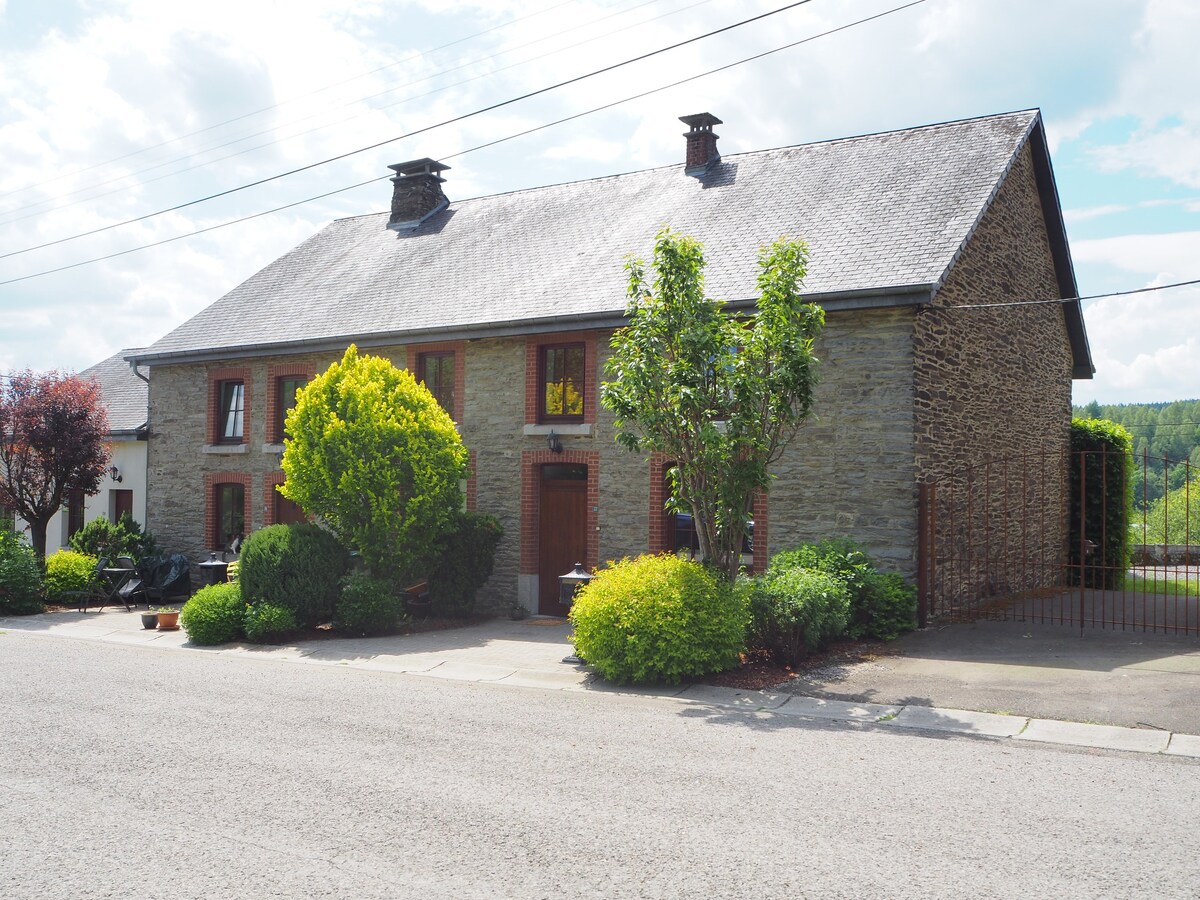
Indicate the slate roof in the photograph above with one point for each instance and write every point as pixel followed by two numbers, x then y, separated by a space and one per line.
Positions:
pixel 125 396
pixel 884 214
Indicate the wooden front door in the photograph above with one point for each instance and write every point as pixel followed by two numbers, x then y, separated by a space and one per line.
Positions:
pixel 562 540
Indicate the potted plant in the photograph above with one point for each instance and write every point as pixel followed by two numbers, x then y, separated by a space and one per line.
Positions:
pixel 517 611
pixel 168 619
pixel 149 620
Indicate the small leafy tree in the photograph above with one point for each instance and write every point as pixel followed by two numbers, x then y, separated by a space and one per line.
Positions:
pixel 719 395
pixel 52 433
pixel 372 453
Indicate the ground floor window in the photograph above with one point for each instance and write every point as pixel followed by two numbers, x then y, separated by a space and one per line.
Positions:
pixel 230 510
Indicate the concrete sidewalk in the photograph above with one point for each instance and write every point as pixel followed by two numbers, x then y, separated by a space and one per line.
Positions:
pixel 529 654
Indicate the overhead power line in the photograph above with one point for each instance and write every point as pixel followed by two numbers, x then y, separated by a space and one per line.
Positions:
pixel 1061 300
pixel 455 119
pixel 492 143
pixel 282 103
pixel 41 207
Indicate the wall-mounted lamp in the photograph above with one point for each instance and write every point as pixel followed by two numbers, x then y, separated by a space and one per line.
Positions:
pixel 115 474
pixel 553 442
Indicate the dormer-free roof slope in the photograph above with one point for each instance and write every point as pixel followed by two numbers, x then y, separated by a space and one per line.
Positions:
pixel 884 214
pixel 125 396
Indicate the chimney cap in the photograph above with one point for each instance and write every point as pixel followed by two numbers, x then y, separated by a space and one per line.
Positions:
pixel 700 121
pixel 424 166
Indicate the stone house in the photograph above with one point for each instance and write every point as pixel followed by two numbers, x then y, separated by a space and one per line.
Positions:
pixel 123 489
pixel 501 301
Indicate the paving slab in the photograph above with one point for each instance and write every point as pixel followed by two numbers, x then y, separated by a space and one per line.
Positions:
pixel 958 721
pixel 259 651
pixel 1184 745
pixel 839 710
pixel 1105 737
pixel 735 697
pixel 554 681
pixel 453 670
pixel 634 690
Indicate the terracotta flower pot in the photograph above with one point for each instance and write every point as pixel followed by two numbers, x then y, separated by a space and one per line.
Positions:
pixel 168 621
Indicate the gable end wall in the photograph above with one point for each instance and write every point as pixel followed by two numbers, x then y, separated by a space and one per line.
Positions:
pixel 992 390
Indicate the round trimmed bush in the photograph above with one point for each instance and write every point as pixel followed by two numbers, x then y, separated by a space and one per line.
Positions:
pixel 658 618
pixel 20 576
pixel 265 623
pixel 882 605
pixel 67 570
pixel 298 567
pixel 213 615
pixel 368 606
pixel 794 611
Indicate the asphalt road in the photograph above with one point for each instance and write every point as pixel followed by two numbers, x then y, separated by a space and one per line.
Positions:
pixel 132 772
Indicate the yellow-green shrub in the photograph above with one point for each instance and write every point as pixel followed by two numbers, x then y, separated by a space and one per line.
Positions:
pixel 659 618
pixel 67 570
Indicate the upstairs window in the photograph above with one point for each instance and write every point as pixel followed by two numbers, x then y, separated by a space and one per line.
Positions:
pixel 436 371
pixel 286 389
pixel 561 375
pixel 231 410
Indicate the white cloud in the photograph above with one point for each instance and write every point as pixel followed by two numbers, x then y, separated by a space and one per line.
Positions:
pixel 1145 346
pixel 130 74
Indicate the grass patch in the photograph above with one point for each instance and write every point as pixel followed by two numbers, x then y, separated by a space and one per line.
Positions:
pixel 1158 583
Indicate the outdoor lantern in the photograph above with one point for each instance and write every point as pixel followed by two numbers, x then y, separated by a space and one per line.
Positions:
pixel 570 583
pixel 214 570
pixel 553 443
pixel 567 586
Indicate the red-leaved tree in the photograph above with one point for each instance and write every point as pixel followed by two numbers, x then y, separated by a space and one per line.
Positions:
pixel 52 441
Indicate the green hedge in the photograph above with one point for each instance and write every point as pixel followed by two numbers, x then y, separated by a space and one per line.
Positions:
pixel 465 563
pixel 298 567
pixel 659 618
pixel 881 606
pixel 213 615
pixel 124 537
pixel 265 623
pixel 1107 453
pixel 794 611
pixel 20 576
pixel 368 606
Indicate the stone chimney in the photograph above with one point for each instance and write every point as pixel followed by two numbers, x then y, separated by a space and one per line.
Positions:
pixel 701 143
pixel 416 193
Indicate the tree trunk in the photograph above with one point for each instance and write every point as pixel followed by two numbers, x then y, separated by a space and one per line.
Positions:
pixel 37 537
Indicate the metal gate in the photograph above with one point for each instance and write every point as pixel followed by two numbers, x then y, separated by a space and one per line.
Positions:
pixel 1030 539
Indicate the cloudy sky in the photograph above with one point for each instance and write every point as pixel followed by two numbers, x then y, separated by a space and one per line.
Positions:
pixel 113 110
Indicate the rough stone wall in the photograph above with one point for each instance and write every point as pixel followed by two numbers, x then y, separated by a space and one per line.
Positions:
pixel 493 419
pixel 993 403
pixel 849 470
pixel 180 455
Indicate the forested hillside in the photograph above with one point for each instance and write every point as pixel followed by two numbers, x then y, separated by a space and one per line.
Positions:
pixel 1170 430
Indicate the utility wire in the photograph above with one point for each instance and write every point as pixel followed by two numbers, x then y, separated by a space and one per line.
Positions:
pixel 38 209
pixel 450 121
pixel 1143 290
pixel 510 137
pixel 282 103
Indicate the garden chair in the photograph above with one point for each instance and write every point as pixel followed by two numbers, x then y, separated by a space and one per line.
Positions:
pixel 94 594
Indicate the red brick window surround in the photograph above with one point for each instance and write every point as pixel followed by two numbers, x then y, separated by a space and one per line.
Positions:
pixel 531 463
pixel 472 483
pixel 441 367
pixel 226 512
pixel 553 376
pixel 662 537
pixel 229 406
pixel 282 383
pixel 278 509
